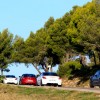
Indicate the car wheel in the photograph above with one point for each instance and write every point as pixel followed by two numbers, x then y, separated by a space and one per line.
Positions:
pixel 15 83
pixel 37 85
pixel 55 85
pixel 59 85
pixel 91 85
pixel 20 83
pixel 42 84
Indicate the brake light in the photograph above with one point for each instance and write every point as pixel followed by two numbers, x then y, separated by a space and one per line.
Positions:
pixel 44 77
pixel 15 78
pixel 59 78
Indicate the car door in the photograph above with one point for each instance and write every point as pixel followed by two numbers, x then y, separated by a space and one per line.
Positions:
pixel 98 77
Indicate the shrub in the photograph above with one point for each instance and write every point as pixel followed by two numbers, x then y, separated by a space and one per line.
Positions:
pixel 1 78
pixel 68 68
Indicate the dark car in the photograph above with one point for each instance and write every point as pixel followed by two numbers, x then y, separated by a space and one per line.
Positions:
pixel 28 79
pixel 95 79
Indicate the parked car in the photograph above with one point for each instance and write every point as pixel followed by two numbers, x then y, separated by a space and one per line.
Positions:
pixel 10 79
pixel 28 79
pixel 49 78
pixel 95 79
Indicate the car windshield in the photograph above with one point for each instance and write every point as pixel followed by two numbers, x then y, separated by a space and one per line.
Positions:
pixel 29 75
pixel 98 72
pixel 10 76
pixel 50 74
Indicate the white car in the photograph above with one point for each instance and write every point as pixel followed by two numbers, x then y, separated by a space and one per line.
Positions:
pixel 10 79
pixel 49 78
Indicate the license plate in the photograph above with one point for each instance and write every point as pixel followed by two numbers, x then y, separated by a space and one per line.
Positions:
pixel 52 80
pixel 30 81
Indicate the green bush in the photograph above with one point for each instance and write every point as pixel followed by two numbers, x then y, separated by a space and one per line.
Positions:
pixel 68 68
pixel 1 78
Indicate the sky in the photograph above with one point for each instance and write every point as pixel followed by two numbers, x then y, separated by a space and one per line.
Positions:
pixel 23 16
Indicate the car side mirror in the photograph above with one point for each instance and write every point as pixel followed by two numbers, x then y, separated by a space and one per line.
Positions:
pixel 37 75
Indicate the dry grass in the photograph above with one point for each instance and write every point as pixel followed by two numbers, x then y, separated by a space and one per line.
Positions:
pixel 11 92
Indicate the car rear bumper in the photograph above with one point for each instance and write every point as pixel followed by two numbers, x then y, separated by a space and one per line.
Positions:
pixel 46 82
pixel 29 83
pixel 10 82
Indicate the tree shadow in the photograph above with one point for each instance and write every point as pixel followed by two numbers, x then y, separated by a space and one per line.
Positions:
pixel 84 73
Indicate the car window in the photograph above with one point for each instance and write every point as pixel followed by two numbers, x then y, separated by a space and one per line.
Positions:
pixel 97 73
pixel 29 75
pixel 10 76
pixel 50 74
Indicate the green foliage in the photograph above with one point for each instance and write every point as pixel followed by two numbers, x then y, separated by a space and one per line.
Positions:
pixel 1 78
pixel 67 69
pixel 49 23
pixel 78 31
pixel 35 46
pixel 6 49
pixel 57 42
pixel 18 47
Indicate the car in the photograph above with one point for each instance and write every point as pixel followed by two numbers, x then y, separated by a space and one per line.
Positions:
pixel 49 78
pixel 95 79
pixel 10 79
pixel 28 79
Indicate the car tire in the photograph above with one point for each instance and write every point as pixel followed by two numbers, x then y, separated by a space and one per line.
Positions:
pixel 42 84
pixel 37 85
pixel 20 83
pixel 91 85
pixel 59 85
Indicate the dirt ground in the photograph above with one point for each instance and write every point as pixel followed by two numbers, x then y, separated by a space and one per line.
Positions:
pixel 76 82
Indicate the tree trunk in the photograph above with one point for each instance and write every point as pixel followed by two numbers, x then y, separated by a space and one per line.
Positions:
pixel 99 56
pixel 94 59
pixel 51 69
pixel 36 68
pixel 83 60
pixel 1 72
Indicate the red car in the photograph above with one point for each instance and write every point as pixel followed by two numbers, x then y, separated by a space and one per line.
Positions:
pixel 28 79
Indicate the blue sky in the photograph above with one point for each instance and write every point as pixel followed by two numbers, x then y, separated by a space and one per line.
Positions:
pixel 23 16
